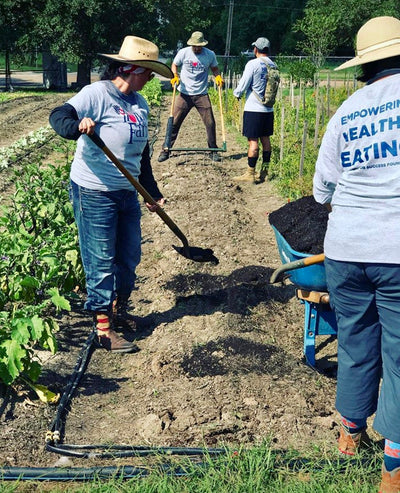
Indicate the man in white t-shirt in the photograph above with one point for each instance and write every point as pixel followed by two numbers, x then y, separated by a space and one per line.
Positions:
pixel 195 61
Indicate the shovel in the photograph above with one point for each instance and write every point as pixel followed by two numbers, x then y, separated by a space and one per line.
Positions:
pixel 192 253
pixel 168 133
pixel 277 275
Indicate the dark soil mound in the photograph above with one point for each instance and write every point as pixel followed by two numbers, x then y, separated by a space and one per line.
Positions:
pixel 303 224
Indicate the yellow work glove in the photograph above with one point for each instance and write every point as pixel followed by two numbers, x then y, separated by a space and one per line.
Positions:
pixel 219 80
pixel 175 80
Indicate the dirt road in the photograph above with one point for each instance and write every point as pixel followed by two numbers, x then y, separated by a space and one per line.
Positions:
pixel 220 358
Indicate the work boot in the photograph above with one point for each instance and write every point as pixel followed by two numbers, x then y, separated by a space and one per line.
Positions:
pixel 390 480
pixel 121 316
pixel 248 176
pixel 108 339
pixel 261 175
pixel 215 157
pixel 164 155
pixel 349 443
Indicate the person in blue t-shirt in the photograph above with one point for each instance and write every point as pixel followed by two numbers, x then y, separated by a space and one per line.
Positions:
pixel 195 61
pixel 106 206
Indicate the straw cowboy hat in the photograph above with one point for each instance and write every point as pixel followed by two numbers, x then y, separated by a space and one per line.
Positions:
pixel 377 39
pixel 140 52
pixel 197 39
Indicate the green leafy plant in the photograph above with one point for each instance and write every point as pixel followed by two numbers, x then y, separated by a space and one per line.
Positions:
pixel 152 92
pixel 40 264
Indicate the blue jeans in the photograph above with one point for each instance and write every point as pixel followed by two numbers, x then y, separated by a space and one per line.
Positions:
pixel 110 243
pixel 366 300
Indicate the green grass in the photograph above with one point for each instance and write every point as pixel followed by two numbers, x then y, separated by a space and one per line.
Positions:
pixel 258 470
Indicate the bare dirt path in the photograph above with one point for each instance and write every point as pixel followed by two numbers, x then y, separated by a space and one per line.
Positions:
pixel 220 358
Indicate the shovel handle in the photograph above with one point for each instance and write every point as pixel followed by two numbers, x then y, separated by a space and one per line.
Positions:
pixel 143 192
pixel 297 264
pixel 173 101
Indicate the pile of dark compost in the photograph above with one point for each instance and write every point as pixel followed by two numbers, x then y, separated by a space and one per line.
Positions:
pixel 303 224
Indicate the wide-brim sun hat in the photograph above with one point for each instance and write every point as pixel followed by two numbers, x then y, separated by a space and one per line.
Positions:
pixel 377 39
pixel 140 52
pixel 197 39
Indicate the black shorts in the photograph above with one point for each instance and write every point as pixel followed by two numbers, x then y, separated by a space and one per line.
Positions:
pixel 257 125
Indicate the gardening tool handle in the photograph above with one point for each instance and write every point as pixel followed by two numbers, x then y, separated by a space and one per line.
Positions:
pixel 222 114
pixel 297 264
pixel 173 101
pixel 143 192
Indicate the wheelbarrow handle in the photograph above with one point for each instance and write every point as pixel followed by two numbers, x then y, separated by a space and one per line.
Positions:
pixel 277 275
pixel 143 192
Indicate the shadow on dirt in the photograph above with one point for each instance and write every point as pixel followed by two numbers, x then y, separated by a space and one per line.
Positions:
pixel 236 293
pixel 236 355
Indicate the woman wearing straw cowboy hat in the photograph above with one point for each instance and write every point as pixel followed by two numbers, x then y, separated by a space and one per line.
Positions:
pixel 195 60
pixel 106 206
pixel 358 175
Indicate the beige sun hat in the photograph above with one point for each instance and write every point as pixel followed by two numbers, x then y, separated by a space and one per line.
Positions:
pixel 377 39
pixel 140 52
pixel 197 39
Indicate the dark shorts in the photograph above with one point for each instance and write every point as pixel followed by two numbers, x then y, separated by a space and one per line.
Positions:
pixel 257 125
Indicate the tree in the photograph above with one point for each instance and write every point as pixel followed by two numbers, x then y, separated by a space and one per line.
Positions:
pixel 338 21
pixel 13 23
pixel 319 29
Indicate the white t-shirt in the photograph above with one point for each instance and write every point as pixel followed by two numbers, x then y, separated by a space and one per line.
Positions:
pixel 358 172
pixel 121 121
pixel 194 70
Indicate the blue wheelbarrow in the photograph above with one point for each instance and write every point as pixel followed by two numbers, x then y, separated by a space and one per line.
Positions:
pixel 307 273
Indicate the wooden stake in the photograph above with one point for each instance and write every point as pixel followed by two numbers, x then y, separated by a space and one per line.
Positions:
pixel 303 148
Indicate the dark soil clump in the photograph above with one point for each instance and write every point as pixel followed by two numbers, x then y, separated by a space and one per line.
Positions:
pixel 303 224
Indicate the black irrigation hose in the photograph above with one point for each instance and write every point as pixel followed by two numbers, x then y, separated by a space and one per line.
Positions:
pixel 82 473
pixel 55 432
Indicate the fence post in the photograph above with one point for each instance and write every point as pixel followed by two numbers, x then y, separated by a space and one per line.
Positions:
pixel 317 118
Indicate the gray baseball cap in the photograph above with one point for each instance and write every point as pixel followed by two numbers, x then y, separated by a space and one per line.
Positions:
pixel 261 44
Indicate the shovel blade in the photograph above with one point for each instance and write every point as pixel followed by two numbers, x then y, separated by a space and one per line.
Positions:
pixel 197 254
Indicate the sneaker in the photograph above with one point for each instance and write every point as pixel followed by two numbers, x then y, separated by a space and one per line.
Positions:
pixel 164 155
pixel 215 157
pixel 390 480
pixel 111 341
pixel 349 443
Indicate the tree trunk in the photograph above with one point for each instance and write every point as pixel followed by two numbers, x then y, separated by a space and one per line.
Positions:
pixel 83 76
pixel 54 72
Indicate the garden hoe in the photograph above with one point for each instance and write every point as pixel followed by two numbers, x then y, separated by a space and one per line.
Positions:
pixel 192 253
pixel 278 274
pixel 168 133
pixel 222 119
